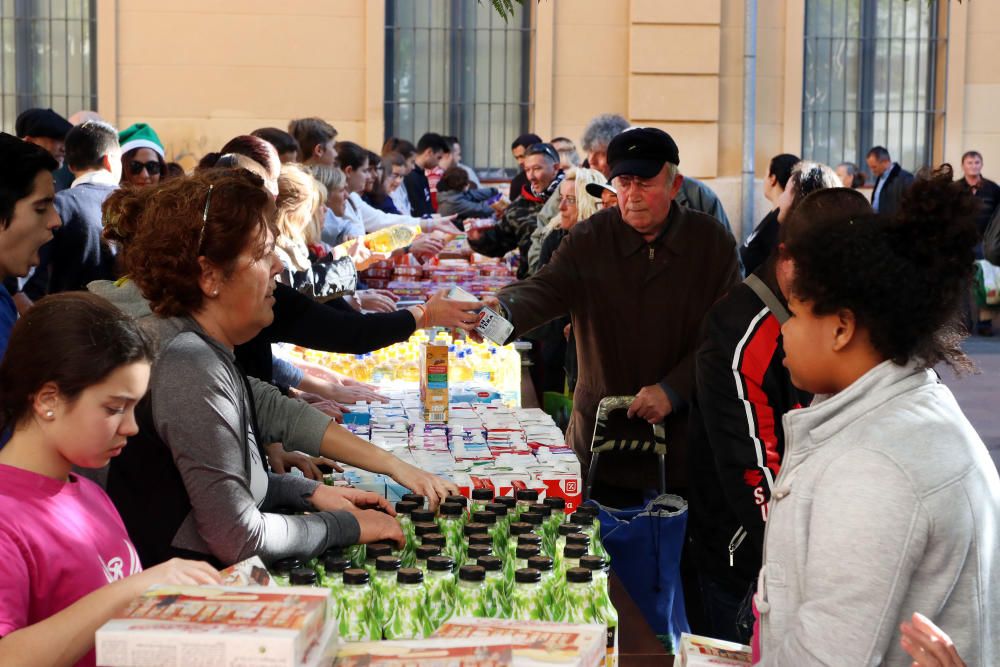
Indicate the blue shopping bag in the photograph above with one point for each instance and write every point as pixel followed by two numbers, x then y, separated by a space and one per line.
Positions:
pixel 645 547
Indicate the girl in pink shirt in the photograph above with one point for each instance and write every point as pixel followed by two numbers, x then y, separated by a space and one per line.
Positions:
pixel 69 382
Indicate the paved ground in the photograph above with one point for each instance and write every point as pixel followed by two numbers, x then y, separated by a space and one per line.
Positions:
pixel 979 395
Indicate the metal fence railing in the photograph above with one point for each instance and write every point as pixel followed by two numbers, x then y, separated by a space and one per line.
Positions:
pixel 869 76
pixel 457 68
pixel 48 57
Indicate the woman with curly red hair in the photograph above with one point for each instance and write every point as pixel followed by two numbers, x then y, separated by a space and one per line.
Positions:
pixel 201 251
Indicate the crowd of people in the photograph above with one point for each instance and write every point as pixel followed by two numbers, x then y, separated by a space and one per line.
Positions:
pixel 148 431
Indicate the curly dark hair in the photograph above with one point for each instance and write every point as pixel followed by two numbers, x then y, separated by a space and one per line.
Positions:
pixel 903 277
pixel 161 233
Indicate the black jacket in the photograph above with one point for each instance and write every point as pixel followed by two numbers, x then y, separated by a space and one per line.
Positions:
pixel 418 189
pixel 736 436
pixel 764 240
pixel 988 196
pixel 515 228
pixel 332 327
pixel 77 254
pixel 518 183
pixel 897 182
pixel 471 203
pixel 991 239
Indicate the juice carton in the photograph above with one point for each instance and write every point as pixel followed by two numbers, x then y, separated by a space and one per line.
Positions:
pixel 434 382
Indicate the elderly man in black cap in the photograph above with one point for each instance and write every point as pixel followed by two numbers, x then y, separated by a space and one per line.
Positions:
pixel 45 128
pixel 636 280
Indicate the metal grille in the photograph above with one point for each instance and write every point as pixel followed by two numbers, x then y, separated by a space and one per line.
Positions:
pixel 48 57
pixel 455 67
pixel 869 79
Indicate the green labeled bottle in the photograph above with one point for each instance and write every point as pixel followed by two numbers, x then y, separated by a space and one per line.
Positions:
pixel 303 576
pixel 421 528
pixel 333 578
pixel 409 613
pixel 604 611
pixel 502 526
pixel 384 588
pixel 480 498
pixel 421 515
pixel 526 599
pixel 524 498
pixel 523 553
pixel 282 569
pixel 515 530
pixel 357 553
pixel 586 519
pixel 435 540
pixel 469 592
pixel 474 552
pixel 423 552
pixel 372 553
pixel 496 596
pixel 451 525
pixel 440 584
pixel 563 532
pixel 551 586
pixel 354 609
pixel 459 500
pixel 570 558
pixel 490 520
pixel 556 518
pixel 420 500
pixel 511 504
pixel 577 604
pixel 532 518
pixel 404 510
pixel 470 531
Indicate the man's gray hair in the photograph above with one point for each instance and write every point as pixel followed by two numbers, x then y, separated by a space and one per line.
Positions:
pixel 601 130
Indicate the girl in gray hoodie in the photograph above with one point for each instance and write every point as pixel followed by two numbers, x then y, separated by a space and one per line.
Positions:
pixel 887 501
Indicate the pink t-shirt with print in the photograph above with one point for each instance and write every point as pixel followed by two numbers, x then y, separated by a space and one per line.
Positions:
pixel 59 541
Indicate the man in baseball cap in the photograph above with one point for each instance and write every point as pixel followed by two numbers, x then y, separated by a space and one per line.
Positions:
pixel 637 280
pixel 605 192
pixel 45 128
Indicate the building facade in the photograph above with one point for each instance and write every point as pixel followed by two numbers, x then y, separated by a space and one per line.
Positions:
pixel 833 76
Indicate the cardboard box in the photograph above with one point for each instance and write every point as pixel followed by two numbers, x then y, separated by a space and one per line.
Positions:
pixel 533 642
pixel 425 653
pixel 188 626
pixel 696 651
pixel 434 383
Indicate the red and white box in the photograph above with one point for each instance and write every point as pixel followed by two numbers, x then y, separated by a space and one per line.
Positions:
pixel 184 626
pixel 533 643
pixel 697 651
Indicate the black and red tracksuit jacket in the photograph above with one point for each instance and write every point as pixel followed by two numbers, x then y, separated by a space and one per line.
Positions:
pixel 736 435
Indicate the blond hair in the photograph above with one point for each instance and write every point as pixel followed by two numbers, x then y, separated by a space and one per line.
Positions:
pixel 299 202
pixel 585 203
pixel 331 177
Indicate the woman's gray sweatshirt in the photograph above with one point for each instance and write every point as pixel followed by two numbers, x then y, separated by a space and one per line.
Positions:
pixel 201 411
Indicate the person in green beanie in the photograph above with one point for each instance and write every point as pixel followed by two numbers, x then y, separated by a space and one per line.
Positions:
pixel 143 157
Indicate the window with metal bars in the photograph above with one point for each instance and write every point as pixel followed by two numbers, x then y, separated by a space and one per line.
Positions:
pixel 870 73
pixel 456 68
pixel 48 57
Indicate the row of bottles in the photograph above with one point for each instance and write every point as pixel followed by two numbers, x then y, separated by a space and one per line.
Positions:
pixel 470 364
pixel 493 557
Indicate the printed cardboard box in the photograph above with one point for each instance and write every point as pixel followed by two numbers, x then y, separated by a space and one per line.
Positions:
pixel 184 626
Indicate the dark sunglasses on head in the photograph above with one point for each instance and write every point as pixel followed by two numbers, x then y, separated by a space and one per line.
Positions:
pixel 136 167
